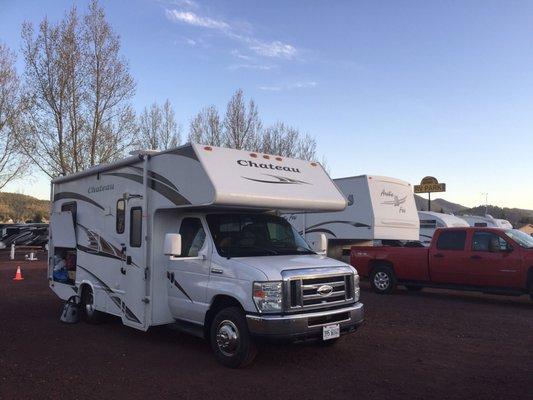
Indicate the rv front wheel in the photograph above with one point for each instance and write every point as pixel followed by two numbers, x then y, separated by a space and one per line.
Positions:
pixel 230 339
pixel 89 311
pixel 382 280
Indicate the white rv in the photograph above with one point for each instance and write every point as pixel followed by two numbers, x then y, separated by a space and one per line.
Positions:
pixel 430 221
pixel 190 237
pixel 379 208
pixel 487 221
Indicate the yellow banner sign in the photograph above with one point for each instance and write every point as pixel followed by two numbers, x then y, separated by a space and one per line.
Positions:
pixel 430 188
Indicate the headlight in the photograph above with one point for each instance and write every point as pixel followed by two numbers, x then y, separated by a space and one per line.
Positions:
pixel 268 296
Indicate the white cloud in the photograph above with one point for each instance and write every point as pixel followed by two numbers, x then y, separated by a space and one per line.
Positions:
pixel 251 66
pixel 295 85
pixel 238 54
pixel 191 18
pixel 274 49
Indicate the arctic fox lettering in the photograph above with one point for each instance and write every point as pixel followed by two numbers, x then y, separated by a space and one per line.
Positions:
pixel 245 163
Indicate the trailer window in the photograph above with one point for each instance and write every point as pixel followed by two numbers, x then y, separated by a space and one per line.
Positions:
pixel 136 226
pixel 121 216
pixel 451 240
pixel 192 237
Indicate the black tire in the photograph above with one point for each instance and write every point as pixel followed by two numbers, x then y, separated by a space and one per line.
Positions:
pixel 413 288
pixel 230 339
pixel 383 280
pixel 88 312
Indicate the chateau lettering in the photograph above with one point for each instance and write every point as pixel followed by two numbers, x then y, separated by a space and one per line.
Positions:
pixel 245 163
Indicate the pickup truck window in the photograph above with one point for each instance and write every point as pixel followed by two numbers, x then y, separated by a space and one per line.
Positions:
pixel 192 237
pixel 250 235
pixel 451 240
pixel 523 239
pixel 481 241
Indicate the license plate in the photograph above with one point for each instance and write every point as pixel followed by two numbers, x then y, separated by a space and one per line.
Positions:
pixel 330 332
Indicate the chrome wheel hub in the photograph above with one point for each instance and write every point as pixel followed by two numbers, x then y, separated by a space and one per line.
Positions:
pixel 89 306
pixel 227 338
pixel 381 280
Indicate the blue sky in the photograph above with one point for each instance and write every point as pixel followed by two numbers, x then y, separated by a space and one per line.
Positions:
pixel 396 88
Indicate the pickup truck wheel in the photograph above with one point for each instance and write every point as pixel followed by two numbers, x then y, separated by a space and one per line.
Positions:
pixel 230 339
pixel 89 313
pixel 382 280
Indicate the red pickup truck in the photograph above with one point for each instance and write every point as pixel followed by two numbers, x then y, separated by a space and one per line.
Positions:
pixel 489 260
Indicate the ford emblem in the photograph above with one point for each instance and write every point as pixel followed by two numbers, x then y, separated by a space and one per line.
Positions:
pixel 324 290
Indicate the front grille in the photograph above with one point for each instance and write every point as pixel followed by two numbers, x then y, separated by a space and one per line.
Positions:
pixel 320 291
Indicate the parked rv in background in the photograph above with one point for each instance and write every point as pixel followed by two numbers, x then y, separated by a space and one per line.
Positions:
pixel 487 221
pixel 30 234
pixel 430 221
pixel 379 209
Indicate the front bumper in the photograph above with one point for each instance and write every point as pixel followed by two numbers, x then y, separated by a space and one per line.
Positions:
pixel 305 326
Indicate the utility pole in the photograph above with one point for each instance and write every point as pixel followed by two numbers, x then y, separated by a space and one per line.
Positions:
pixel 486 202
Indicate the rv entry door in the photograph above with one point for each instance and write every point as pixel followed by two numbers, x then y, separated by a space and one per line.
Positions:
pixel 133 268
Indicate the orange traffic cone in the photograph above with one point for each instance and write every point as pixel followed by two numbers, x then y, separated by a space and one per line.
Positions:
pixel 18 275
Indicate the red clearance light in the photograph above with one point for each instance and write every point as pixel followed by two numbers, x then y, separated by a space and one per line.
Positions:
pixel 279 158
pixel 253 155
pixel 313 164
pixel 208 148
pixel 266 157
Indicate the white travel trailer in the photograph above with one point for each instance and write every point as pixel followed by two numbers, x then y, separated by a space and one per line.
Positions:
pixel 190 237
pixel 487 221
pixel 430 221
pixel 379 208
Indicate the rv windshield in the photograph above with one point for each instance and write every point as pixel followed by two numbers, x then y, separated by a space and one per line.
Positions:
pixel 251 235
pixel 523 239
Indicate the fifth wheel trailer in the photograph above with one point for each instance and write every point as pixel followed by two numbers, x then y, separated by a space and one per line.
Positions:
pixel 189 237
pixel 379 209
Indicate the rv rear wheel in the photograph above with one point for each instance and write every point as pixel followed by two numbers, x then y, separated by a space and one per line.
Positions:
pixel 383 280
pixel 230 340
pixel 89 312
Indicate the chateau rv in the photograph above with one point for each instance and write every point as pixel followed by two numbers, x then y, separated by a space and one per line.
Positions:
pixel 190 237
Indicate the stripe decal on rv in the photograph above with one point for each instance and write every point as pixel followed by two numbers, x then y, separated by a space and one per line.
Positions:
pixel 178 286
pixel 161 187
pixel 77 196
pixel 280 179
pixel 118 302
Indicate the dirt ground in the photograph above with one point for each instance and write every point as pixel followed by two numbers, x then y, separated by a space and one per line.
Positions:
pixel 432 344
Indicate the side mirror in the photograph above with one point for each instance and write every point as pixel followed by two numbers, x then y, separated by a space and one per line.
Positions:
pixel 172 246
pixel 321 244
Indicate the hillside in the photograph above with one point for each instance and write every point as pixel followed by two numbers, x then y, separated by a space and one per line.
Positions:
pixel 20 207
pixel 439 205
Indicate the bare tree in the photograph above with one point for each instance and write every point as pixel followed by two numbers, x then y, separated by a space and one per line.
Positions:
pixel 206 128
pixel 78 90
pixel 306 149
pixel 11 166
pixel 242 124
pixel 158 128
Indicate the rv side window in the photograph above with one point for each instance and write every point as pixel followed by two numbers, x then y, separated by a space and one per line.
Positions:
pixel 72 207
pixel 451 240
pixel 121 215
pixel 136 226
pixel 192 237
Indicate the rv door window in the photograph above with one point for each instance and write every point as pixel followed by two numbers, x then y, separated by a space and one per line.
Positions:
pixel 136 226
pixel 192 236
pixel 121 216
pixel 72 207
